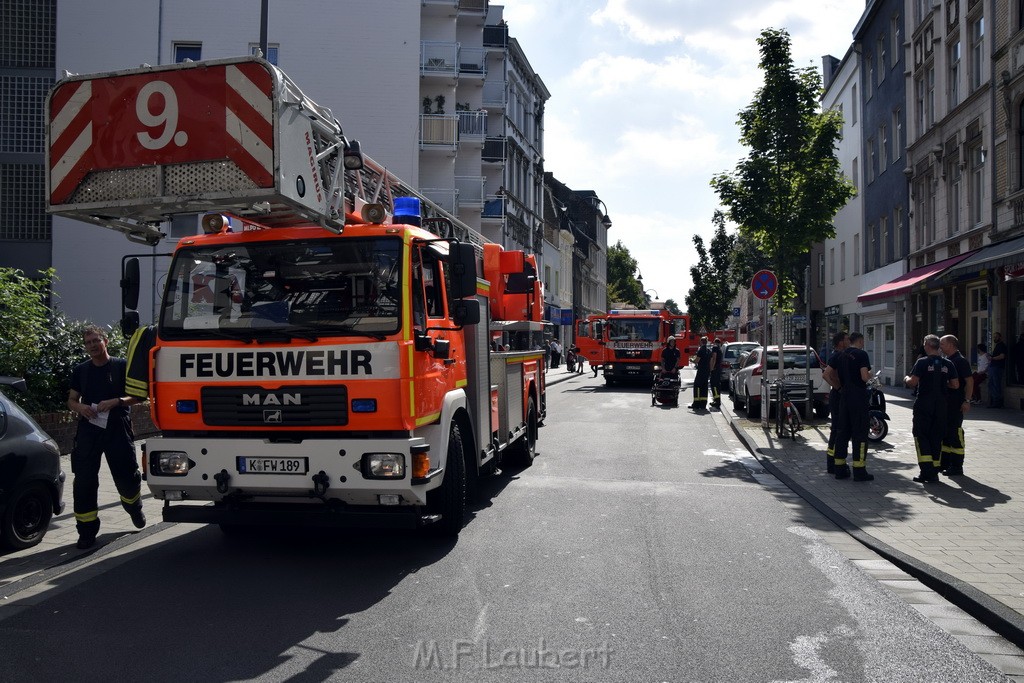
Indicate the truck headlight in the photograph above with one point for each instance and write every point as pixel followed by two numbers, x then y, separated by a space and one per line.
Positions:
pixel 169 463
pixel 384 465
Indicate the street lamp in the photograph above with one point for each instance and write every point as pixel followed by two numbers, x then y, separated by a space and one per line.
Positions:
pixel 606 221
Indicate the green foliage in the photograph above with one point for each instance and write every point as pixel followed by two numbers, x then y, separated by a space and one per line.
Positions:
pixel 784 195
pixel 623 286
pixel 40 345
pixel 709 300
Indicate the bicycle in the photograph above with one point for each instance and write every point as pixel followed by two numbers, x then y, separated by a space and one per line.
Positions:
pixel 787 417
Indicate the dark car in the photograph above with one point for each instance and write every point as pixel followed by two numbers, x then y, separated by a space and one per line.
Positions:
pixel 31 481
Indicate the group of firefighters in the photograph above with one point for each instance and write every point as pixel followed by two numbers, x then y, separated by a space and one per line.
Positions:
pixel 707 362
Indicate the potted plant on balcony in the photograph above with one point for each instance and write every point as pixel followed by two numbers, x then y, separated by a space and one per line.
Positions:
pixel 439 100
pixel 427 102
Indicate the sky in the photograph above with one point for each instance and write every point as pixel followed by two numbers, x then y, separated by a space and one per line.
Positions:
pixel 645 95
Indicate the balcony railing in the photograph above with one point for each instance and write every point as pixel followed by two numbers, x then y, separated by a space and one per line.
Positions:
pixel 472 126
pixel 494 150
pixel 472 60
pixel 438 58
pixel 447 199
pixel 472 5
pixel 470 190
pixel 494 207
pixel 494 94
pixel 496 36
pixel 438 130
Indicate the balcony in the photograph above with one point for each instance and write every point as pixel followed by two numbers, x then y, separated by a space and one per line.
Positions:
pixel 494 150
pixel 494 208
pixel 472 61
pixel 470 191
pixel 447 199
pixel 472 126
pixel 439 131
pixel 473 6
pixel 438 59
pixel 496 36
pixel 494 95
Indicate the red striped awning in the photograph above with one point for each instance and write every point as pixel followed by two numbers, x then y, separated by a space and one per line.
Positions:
pixel 904 283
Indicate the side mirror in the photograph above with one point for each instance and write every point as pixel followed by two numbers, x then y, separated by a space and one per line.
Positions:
pixel 129 323
pixel 465 312
pixel 130 284
pixel 462 270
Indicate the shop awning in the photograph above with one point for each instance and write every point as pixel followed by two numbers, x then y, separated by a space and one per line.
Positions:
pixel 904 283
pixel 1009 253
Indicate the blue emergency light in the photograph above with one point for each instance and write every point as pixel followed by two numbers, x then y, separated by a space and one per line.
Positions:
pixel 407 210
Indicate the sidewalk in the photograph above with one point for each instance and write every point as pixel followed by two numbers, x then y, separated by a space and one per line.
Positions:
pixel 963 537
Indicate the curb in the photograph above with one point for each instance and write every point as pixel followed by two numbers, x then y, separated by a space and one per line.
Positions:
pixel 1003 620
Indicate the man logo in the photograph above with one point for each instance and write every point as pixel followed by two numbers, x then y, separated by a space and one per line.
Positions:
pixel 272 416
pixel 271 400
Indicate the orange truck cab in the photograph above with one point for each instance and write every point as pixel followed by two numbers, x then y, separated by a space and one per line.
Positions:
pixel 626 343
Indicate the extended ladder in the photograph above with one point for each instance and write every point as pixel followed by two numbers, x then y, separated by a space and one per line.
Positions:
pixel 129 149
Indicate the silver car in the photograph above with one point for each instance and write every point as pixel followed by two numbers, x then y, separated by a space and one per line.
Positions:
pixel 730 359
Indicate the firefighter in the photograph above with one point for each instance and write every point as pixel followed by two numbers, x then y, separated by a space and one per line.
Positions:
pixel 98 396
pixel 137 372
pixel 934 377
pixel 831 374
pixel 716 373
pixel 855 368
pixel 700 383
pixel 957 405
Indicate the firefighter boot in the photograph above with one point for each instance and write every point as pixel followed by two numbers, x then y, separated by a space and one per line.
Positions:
pixel 830 463
pixel 87 532
pixel 928 474
pixel 861 474
pixel 138 517
pixel 955 465
pixel 842 471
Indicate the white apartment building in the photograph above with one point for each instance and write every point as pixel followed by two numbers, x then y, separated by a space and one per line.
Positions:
pixel 476 150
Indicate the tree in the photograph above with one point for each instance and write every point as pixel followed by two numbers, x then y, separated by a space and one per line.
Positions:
pixel 709 300
pixel 672 307
pixel 23 319
pixel 623 286
pixel 784 195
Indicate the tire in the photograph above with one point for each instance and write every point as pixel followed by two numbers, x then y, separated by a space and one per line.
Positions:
pixel 27 517
pixel 449 499
pixel 752 410
pixel 877 428
pixel 525 450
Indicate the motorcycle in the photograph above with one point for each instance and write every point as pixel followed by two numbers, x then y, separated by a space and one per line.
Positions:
pixel 878 425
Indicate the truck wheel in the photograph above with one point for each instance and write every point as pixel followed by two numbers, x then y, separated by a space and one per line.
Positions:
pixel 449 499
pixel 27 517
pixel 525 450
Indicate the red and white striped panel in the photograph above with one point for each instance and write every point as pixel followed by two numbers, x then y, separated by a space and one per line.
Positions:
pixel 70 137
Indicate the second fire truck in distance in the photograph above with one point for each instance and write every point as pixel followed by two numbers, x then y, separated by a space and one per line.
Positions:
pixel 626 344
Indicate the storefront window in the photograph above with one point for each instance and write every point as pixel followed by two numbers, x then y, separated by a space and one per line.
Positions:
pixel 937 314
pixel 1015 338
pixel 889 360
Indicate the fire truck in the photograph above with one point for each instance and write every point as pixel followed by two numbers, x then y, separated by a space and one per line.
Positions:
pixel 626 344
pixel 323 352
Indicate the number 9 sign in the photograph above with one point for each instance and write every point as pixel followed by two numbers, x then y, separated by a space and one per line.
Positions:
pixel 166 116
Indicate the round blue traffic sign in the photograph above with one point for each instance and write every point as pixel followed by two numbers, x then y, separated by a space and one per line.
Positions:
pixel 765 284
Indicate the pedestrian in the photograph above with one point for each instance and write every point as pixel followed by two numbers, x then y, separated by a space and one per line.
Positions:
pixel 556 353
pixel 995 371
pixel 934 377
pixel 981 374
pixel 918 355
pixel 716 373
pixel 1018 358
pixel 831 374
pixel 855 371
pixel 99 398
pixel 700 383
pixel 957 405
pixel 670 356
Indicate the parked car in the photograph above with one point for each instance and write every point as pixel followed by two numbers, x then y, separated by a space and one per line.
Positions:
pixel 31 480
pixel 746 381
pixel 731 353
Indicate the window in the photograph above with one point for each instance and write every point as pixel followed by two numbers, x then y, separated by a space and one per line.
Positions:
pixel 883 227
pixel 881 58
pixel 872 161
pixel 855 105
pixel 842 261
pixel 883 148
pixel 976 155
pixel 869 68
pixel 919 116
pixel 832 266
pixel 920 217
pixel 897 134
pixel 872 246
pixel 272 51
pixel 1020 143
pixel 930 96
pixel 184 225
pixel 894 36
pixel 190 51
pixel 897 232
pixel 821 267
pixel 954 74
pixel 930 225
pixel 955 177
pixel 856 173
pixel 856 254
pixel 977 52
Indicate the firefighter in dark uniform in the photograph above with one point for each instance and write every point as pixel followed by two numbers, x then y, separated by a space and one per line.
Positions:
pixel 670 356
pixel 137 380
pixel 832 373
pixel 98 390
pixel 716 373
pixel 957 405
pixel 700 383
pixel 853 401
pixel 934 377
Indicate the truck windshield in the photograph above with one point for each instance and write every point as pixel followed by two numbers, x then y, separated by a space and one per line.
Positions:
pixel 634 329
pixel 312 288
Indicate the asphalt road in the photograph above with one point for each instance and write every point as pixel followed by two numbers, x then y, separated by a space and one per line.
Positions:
pixel 643 545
